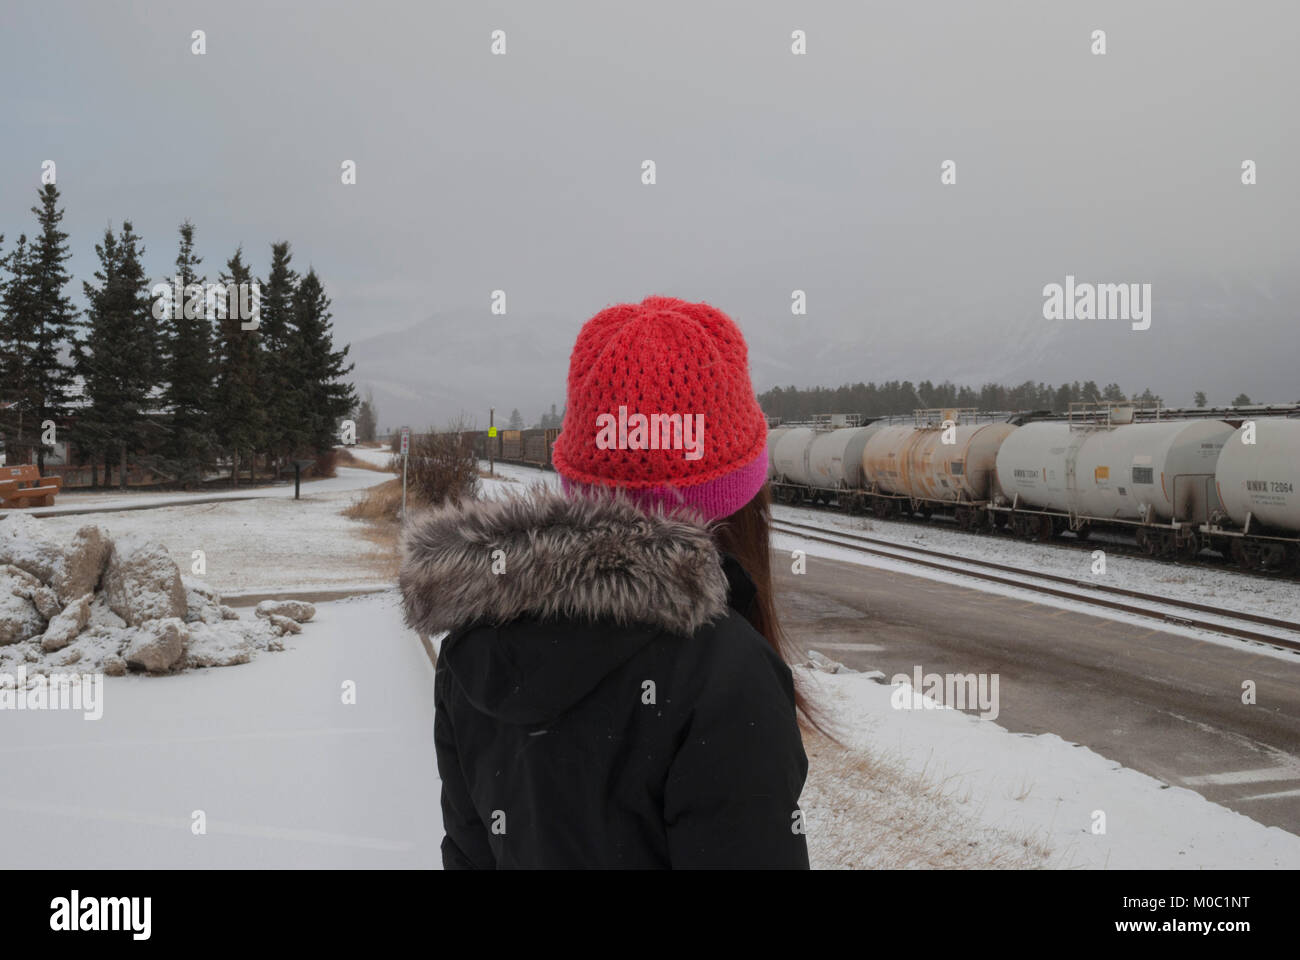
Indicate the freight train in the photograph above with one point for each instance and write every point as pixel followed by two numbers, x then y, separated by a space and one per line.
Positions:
pixel 1174 487
pixel 529 447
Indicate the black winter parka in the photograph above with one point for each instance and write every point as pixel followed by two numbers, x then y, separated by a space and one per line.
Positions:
pixel 601 701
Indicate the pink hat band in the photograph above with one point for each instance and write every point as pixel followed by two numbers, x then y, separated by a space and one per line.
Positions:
pixel 714 499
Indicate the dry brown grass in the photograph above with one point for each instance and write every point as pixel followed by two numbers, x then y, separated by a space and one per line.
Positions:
pixel 381 502
pixel 379 507
pixel 864 811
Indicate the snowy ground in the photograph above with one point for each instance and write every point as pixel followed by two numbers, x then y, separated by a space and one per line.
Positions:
pixel 1008 790
pixel 787 543
pixel 1209 584
pixel 75 501
pixel 1203 583
pixel 286 774
pixel 379 456
pixel 262 545
pixel 289 775
pixel 999 788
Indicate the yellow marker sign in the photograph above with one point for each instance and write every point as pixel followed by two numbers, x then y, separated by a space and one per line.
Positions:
pixel 492 431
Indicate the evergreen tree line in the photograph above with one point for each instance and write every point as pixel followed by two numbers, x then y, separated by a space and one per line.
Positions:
pixel 547 421
pixel 178 395
pixel 895 397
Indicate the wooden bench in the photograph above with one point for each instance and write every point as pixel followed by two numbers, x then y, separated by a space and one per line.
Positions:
pixel 25 487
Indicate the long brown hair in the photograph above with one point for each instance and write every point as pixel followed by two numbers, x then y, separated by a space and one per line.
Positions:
pixel 747 536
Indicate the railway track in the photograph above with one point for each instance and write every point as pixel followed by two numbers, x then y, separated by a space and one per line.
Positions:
pixel 1112 542
pixel 1228 622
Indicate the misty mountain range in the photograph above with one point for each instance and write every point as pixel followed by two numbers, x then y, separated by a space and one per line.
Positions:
pixel 1222 336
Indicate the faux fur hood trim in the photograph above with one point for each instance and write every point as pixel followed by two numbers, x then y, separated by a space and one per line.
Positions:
pixel 588 556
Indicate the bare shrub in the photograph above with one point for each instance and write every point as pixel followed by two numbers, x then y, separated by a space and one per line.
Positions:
pixel 326 463
pixel 442 466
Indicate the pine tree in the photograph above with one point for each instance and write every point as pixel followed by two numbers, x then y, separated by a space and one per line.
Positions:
pixel 516 420
pixel 1199 398
pixel 92 350
pixel 53 320
pixel 188 369
pixel 240 420
pixel 119 356
pixel 280 386
pixel 17 339
pixel 323 399
pixel 367 419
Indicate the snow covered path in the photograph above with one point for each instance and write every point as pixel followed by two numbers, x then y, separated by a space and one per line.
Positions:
pixel 379 456
pixel 991 785
pixel 285 772
pixel 71 504
pixel 266 545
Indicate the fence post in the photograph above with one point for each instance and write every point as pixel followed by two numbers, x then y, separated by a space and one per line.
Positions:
pixel 406 455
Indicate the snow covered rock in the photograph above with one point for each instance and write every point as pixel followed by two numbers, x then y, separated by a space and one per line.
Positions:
pixel 23 584
pixel 23 544
pixel 20 619
pixel 83 564
pixel 299 610
pixel 284 624
pixel 65 626
pixel 108 604
pixel 102 615
pixel 209 647
pixel 46 602
pixel 203 604
pixel 158 645
pixel 819 661
pixel 141 582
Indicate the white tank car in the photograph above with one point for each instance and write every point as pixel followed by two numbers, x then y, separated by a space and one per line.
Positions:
pixel 1165 468
pixel 915 461
pixel 1262 478
pixel 773 436
pixel 790 455
pixel 835 457
pixel 884 458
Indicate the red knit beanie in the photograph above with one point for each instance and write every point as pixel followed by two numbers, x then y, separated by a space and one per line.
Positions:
pixel 660 404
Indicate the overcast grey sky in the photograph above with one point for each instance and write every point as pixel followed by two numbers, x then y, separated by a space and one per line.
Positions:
pixel 775 172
